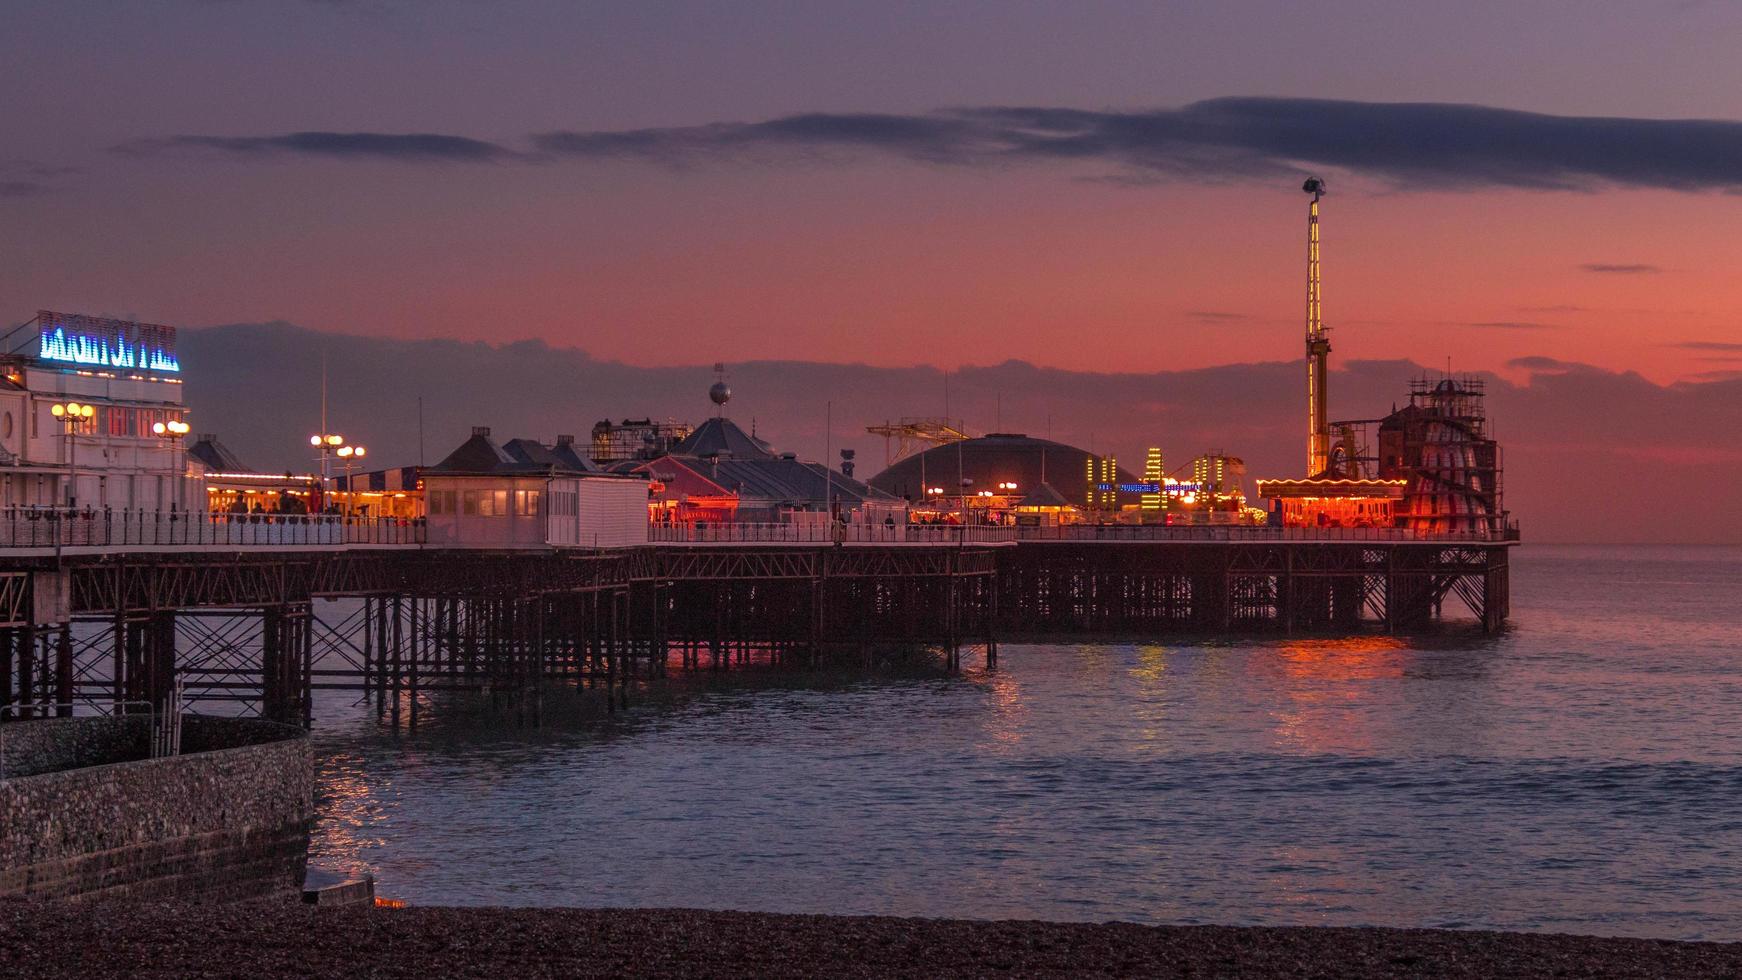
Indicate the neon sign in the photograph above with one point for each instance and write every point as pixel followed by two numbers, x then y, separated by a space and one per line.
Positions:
pixel 1170 487
pixel 72 338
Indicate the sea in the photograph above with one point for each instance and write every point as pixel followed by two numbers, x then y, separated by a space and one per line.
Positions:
pixel 1579 772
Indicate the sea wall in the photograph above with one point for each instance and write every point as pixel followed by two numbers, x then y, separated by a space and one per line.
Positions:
pixel 29 748
pixel 226 819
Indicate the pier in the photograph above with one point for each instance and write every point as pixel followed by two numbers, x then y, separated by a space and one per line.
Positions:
pixel 515 568
pixel 233 617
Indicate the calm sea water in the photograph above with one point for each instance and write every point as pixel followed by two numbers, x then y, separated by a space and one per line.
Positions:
pixel 1581 772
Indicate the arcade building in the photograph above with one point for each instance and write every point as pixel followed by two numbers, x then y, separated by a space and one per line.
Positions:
pixel 91 416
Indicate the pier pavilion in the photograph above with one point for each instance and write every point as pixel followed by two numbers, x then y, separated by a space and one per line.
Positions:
pixel 120 445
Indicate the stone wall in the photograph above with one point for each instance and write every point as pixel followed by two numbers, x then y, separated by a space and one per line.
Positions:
pixel 28 748
pixel 227 819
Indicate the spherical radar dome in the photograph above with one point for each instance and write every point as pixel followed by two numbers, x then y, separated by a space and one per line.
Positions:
pixel 720 393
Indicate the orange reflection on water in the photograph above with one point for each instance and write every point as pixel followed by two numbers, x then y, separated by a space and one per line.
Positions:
pixel 1329 684
pixel 1004 722
pixel 1148 709
pixel 349 810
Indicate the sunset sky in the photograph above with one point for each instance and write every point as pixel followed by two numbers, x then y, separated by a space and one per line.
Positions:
pixel 1091 186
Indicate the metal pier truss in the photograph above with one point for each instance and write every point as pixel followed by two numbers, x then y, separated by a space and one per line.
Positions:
pixel 258 634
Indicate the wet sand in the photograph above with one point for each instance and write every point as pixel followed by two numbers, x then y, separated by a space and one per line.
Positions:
pixel 270 939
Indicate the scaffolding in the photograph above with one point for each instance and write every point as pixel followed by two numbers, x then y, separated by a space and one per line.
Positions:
pixel 1440 443
pixel 910 435
pixel 635 439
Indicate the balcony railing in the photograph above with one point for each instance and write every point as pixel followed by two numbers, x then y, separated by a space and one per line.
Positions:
pixel 41 527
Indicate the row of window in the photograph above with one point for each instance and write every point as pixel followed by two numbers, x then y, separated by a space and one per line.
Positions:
pixel 138 422
pixel 112 420
pixel 503 503
pixel 485 503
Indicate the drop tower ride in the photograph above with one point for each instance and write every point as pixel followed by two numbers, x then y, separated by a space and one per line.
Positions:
pixel 1318 346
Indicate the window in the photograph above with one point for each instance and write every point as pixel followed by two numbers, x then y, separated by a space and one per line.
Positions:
pixel 471 499
pixel 489 503
pixel 441 502
pixel 526 503
pixel 6 426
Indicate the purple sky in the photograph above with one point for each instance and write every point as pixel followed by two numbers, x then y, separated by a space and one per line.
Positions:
pixel 679 183
pixel 852 251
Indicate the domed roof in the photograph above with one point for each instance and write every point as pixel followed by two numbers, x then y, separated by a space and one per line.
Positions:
pixel 1001 457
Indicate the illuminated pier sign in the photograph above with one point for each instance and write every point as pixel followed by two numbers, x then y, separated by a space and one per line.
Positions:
pixel 1170 487
pixel 91 341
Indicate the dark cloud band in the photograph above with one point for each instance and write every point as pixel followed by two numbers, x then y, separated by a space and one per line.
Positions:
pixel 22 188
pixel 1621 268
pixel 414 147
pixel 1415 145
pixel 1708 345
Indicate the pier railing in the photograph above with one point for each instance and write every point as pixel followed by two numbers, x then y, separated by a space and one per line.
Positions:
pixel 747 533
pixel 1189 532
pixel 40 527
pixel 33 527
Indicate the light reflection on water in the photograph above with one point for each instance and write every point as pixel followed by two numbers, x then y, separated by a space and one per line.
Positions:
pixel 1581 772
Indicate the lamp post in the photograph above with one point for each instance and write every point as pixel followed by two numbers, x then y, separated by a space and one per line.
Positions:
pixel 326 442
pixel 74 415
pixel 350 454
pixel 171 433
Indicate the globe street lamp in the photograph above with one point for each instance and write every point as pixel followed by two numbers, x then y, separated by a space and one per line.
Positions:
pixel 326 442
pixel 171 433
pixel 75 416
pixel 350 454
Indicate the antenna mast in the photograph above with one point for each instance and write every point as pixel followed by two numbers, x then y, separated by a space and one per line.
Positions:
pixel 1318 346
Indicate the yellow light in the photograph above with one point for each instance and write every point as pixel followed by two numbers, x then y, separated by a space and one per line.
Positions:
pixel 58 410
pixel 159 428
pixel 314 440
pixel 87 411
pixel 335 440
pixel 361 451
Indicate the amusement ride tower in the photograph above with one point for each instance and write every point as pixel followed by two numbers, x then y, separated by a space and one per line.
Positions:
pixel 1318 346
